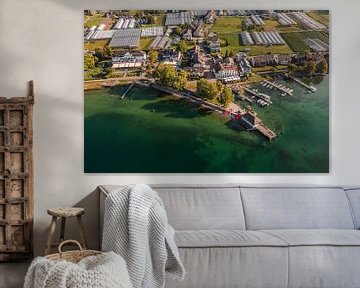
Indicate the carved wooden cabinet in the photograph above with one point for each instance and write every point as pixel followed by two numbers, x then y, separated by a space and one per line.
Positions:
pixel 16 177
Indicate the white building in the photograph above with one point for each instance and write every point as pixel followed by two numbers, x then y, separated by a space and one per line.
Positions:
pixel 129 59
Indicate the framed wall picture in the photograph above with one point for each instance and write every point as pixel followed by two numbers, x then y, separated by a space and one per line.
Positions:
pixel 206 91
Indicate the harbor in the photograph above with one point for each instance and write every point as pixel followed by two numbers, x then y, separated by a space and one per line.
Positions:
pixel 262 98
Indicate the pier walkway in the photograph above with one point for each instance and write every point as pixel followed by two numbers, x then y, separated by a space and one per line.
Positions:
pixel 206 104
pixel 262 96
pixel 128 90
pixel 281 88
pixel 310 88
pixel 267 132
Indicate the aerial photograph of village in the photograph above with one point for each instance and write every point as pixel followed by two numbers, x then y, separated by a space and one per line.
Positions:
pixel 206 91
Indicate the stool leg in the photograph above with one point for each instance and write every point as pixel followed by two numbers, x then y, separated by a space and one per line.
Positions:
pixel 62 231
pixel 51 235
pixel 82 232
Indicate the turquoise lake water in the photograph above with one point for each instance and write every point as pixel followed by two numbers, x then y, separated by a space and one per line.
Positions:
pixel 151 132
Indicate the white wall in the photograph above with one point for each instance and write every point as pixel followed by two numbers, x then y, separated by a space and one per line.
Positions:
pixel 42 40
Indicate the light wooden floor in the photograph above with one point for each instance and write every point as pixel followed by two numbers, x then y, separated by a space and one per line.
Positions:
pixel 12 274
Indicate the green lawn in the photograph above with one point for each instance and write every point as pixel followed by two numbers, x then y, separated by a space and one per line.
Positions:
pixel 93 20
pixel 269 68
pixel 227 24
pixel 295 39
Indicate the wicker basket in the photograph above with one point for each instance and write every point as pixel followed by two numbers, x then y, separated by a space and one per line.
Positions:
pixel 72 256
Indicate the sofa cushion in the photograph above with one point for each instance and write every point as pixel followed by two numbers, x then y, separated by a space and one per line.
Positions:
pixel 226 238
pixel 233 267
pixel 296 208
pixel 338 237
pixel 324 266
pixel 322 258
pixel 354 198
pixel 203 208
pixel 198 206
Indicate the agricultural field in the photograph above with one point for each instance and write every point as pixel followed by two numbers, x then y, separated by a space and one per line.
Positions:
pixel 271 25
pixel 145 43
pixel 94 20
pixel 227 25
pixel 92 45
pixel 235 45
pixel 294 28
pixel 295 39
pixel 159 20
pixel 321 16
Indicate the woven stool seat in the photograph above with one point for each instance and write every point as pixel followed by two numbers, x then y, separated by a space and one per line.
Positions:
pixel 66 212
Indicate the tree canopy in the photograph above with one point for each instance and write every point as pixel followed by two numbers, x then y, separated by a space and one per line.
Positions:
pixel 169 76
pixel 207 89
pixel 322 67
pixel 89 62
pixel 182 46
pixel 310 67
pixel 226 96
pixel 153 56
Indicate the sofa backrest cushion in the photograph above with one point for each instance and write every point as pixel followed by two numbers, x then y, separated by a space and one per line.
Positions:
pixel 296 208
pixel 203 208
pixel 354 198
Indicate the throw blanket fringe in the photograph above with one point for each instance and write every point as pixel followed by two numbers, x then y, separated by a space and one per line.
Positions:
pixel 136 227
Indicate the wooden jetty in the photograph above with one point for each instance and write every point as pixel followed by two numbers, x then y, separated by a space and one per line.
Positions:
pixel 252 122
pixel 267 132
pixel 309 87
pixel 259 95
pixel 241 96
pixel 279 87
pixel 128 90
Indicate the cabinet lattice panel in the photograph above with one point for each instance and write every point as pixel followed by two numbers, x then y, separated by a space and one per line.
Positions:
pixel 16 177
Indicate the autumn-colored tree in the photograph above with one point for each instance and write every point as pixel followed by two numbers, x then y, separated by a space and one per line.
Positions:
pixel 310 68
pixel 322 67
pixel 153 56
pixel 182 46
pixel 89 62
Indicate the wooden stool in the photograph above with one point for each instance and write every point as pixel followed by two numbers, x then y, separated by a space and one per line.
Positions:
pixel 64 213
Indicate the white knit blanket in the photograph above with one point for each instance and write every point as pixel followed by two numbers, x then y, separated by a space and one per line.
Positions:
pixel 136 227
pixel 103 271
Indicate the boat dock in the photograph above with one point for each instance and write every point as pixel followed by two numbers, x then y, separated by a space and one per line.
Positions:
pixel 279 87
pixel 242 96
pixel 309 87
pixel 267 132
pixel 251 121
pixel 265 98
